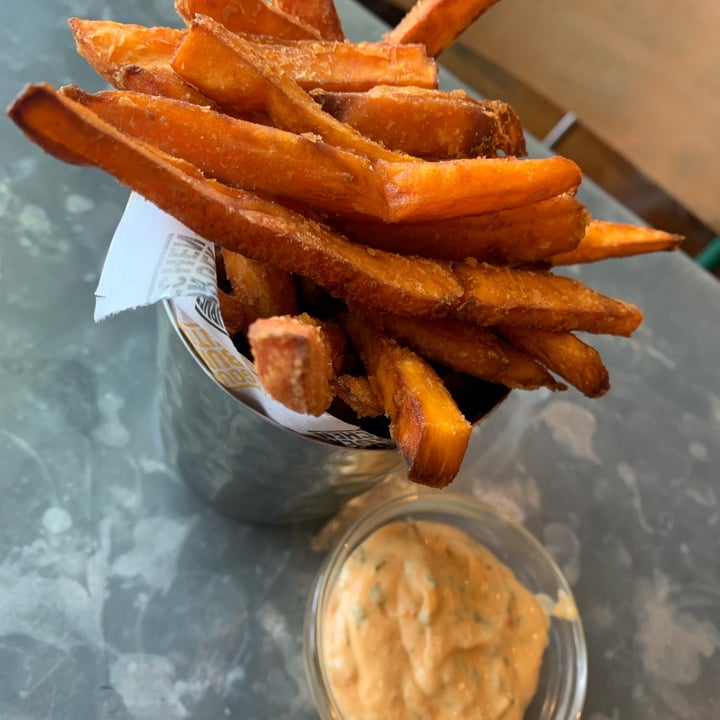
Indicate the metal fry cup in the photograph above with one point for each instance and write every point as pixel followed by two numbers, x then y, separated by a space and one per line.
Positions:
pixel 244 464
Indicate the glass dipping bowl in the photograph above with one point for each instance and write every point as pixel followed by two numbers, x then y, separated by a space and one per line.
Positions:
pixel 561 690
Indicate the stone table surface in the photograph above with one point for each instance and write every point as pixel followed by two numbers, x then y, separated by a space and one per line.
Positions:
pixel 123 596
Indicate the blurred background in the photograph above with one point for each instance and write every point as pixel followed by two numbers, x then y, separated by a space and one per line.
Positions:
pixel 629 90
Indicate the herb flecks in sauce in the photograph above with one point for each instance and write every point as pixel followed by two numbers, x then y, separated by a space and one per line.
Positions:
pixel 428 624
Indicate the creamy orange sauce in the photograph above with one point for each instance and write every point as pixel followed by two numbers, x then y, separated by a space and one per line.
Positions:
pixel 423 623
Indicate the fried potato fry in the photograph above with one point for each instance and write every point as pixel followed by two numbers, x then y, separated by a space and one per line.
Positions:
pixel 128 52
pixel 244 154
pixel 155 81
pixel 134 57
pixel 263 131
pixel 248 16
pixel 310 63
pixel 231 71
pixel 428 123
pixel 468 349
pixel 426 424
pixel 531 298
pixel 351 67
pixel 268 232
pixel 564 354
pixel 357 393
pixel 437 23
pixel 524 373
pixel 109 45
pixel 319 14
pixel 524 235
pixel 604 240
pixel 297 359
pixel 236 219
pixel 234 313
pixel 267 160
pixel 472 186
pixel 259 290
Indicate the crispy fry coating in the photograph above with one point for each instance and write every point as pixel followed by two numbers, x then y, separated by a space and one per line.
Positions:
pixel 155 81
pixel 425 422
pixel 523 235
pixel 437 23
pixel 263 286
pixel 296 359
pixel 604 240
pixel 258 290
pixel 319 14
pixel 335 175
pixel 357 393
pixel 428 123
pixel 530 298
pixel 310 63
pixel 235 219
pixel 256 157
pixel 472 186
pixel 234 313
pixel 566 355
pixel 524 373
pixel 109 45
pixel 468 349
pixel 244 154
pixel 134 57
pixel 346 66
pixel 268 232
pixel 230 70
pixel 248 16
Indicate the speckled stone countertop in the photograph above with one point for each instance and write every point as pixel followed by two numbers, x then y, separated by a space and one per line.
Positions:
pixel 123 596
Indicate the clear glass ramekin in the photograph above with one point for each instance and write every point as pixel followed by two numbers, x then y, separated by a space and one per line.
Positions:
pixel 561 691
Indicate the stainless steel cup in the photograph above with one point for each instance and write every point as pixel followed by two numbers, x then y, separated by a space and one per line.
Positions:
pixel 244 464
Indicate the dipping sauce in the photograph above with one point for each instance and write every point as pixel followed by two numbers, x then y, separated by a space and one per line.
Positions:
pixel 424 623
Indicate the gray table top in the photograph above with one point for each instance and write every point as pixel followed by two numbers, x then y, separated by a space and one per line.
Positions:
pixel 124 596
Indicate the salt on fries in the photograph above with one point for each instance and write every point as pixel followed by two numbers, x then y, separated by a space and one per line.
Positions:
pixel 380 240
pixel 297 360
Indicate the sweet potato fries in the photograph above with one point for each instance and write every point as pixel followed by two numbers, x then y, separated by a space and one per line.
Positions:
pixel 336 179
